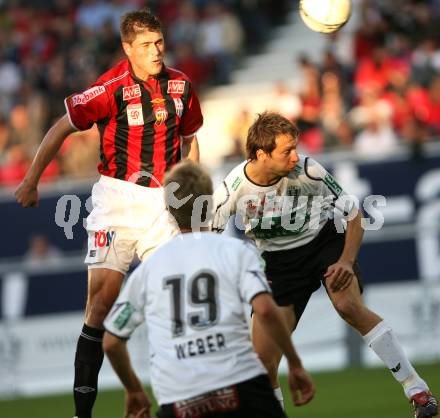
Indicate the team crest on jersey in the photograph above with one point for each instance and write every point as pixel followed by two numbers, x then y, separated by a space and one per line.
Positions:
pixel 131 92
pixel 160 113
pixel 176 86
pixel 135 117
pixel 179 106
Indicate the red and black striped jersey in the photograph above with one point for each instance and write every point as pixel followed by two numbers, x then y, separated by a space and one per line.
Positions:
pixel 140 122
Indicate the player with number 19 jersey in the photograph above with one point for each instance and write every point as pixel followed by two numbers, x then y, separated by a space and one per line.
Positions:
pixel 197 318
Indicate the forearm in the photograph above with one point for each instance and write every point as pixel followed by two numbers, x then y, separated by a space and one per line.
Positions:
pixel 190 149
pixel 120 360
pixel 353 239
pixel 48 149
pixel 274 325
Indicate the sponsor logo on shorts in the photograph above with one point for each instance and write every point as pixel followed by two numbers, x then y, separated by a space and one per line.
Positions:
pixel 217 401
pixel 103 238
pixel 88 95
pixel 131 92
pixel 135 117
pixel 176 86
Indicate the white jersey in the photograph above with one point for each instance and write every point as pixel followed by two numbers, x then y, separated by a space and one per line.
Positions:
pixel 287 214
pixel 192 293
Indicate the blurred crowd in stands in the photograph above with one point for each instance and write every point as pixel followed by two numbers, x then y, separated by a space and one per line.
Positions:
pixel 373 89
pixel 50 49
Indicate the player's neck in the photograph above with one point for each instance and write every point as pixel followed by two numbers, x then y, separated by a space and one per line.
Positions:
pixel 140 74
pixel 189 230
pixel 256 172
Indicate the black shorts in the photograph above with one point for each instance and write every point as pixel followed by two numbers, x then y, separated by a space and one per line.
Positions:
pixel 252 398
pixel 298 272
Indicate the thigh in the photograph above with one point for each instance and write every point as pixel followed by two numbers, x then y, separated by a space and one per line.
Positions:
pixel 292 284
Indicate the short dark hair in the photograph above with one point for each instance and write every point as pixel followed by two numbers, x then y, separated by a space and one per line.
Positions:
pixel 263 132
pixel 137 21
pixel 193 181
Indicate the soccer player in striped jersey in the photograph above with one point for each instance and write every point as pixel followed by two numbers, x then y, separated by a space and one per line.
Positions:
pixel 291 208
pixel 200 350
pixel 147 115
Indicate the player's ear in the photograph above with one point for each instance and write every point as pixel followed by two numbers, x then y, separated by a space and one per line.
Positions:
pixel 127 48
pixel 260 154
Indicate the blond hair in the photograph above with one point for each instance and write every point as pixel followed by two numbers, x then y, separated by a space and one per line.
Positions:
pixel 188 194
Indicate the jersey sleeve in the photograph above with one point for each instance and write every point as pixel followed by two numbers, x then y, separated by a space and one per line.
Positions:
pixel 192 118
pixel 342 201
pixel 127 312
pixel 252 278
pixel 224 207
pixel 86 108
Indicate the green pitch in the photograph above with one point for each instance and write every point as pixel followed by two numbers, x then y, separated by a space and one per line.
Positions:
pixel 353 393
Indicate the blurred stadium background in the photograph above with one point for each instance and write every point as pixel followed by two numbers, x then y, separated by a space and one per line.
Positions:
pixel 367 101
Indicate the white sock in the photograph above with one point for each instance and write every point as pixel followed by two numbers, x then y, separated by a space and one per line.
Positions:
pixel 382 340
pixel 279 396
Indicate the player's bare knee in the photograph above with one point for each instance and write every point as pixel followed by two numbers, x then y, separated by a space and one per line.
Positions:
pixel 348 309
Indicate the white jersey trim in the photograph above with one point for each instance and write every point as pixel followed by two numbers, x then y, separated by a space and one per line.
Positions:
pixel 68 115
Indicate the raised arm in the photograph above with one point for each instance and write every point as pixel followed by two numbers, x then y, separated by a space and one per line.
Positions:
pixel 27 193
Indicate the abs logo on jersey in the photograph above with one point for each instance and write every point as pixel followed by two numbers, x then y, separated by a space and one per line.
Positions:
pixel 176 86
pixel 179 106
pixel 135 116
pixel 88 95
pixel 131 92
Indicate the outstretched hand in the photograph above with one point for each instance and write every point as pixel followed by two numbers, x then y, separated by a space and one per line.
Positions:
pixel 301 386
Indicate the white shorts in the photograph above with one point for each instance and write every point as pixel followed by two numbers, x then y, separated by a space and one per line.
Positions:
pixel 126 219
